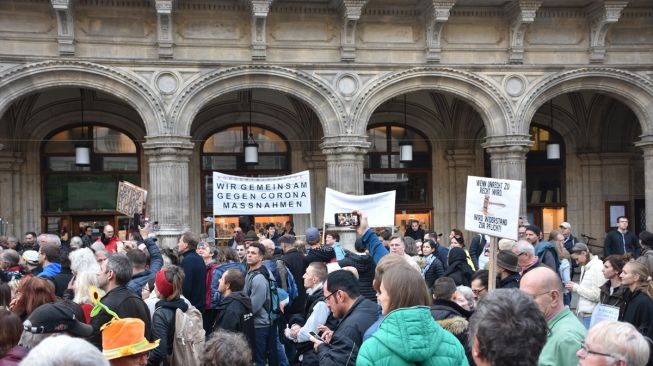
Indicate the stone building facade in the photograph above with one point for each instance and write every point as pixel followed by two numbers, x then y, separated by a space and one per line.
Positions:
pixel 468 78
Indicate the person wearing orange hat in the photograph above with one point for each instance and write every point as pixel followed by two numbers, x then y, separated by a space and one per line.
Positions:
pixel 124 342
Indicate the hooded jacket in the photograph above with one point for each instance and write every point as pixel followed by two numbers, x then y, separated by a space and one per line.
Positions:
pixel 50 270
pixel 163 328
pixel 235 315
pixel 216 296
pixel 458 269
pixel 410 336
pixel 139 280
pixel 365 266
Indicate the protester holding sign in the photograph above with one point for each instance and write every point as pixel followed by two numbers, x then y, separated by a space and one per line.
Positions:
pixel 591 279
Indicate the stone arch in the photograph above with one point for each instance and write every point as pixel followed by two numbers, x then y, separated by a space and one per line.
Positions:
pixel 485 98
pixel 633 90
pixel 22 80
pixel 322 99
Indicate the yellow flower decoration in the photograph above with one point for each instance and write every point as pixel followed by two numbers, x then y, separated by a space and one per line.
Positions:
pixel 97 305
pixel 95 295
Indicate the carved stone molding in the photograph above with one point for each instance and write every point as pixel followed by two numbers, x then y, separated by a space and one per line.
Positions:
pixel 485 88
pixel 602 16
pixel 320 91
pixel 87 73
pixel 350 10
pixel 65 26
pixel 259 10
pixel 639 87
pixel 437 14
pixel 522 14
pixel 164 27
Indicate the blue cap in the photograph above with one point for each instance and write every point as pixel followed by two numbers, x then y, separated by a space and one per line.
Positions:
pixel 312 235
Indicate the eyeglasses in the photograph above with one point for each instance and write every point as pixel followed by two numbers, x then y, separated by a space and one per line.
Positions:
pixel 477 291
pixel 584 352
pixel 333 293
pixel 536 295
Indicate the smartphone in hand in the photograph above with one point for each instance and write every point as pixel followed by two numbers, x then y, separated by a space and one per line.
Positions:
pixel 314 335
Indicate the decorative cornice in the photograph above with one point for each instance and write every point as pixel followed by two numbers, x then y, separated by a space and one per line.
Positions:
pixel 65 26
pixel 209 5
pixel 456 74
pixel 602 16
pixel 522 14
pixel 391 11
pixel 164 27
pixel 350 11
pixel 290 74
pixel 437 14
pixel 116 3
pixel 508 143
pixel 135 83
pixel 482 12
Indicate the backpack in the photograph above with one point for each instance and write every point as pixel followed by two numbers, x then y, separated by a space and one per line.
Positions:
pixel 272 307
pixel 288 283
pixel 188 340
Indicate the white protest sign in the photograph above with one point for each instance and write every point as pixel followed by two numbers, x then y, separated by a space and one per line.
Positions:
pixel 290 194
pixel 379 208
pixel 604 312
pixel 492 206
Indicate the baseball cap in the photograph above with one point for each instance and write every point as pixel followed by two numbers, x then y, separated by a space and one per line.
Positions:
pixel 31 256
pixel 566 225
pixel 56 318
pixel 312 235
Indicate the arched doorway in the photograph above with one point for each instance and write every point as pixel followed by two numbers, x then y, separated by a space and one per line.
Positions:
pixel 78 196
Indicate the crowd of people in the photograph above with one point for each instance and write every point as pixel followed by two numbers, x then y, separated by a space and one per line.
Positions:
pixel 411 299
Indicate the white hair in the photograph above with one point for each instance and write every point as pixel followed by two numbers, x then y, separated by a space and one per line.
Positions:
pixel 467 293
pixel 82 287
pixel 83 260
pixel 56 351
pixel 621 340
pixel 523 246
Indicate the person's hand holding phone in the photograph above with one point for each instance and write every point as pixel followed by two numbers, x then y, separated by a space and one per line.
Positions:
pixel 362 222
pixel 327 333
pixel 316 339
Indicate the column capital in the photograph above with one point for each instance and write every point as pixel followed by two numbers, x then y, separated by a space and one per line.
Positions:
pixel 517 145
pixel 646 144
pixel 347 144
pixel 460 157
pixel 10 161
pixel 159 148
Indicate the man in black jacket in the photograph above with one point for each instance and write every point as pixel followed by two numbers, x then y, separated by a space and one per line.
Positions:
pixel 194 288
pixel 235 309
pixel 138 258
pixel 355 313
pixel 114 274
pixel 621 240
pixel 451 316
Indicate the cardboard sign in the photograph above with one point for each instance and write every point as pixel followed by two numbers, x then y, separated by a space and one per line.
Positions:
pixel 234 195
pixel 492 206
pixel 131 198
pixel 379 207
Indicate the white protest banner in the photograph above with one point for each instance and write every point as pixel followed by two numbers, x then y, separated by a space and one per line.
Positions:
pixel 130 199
pixel 379 208
pixel 290 194
pixel 492 206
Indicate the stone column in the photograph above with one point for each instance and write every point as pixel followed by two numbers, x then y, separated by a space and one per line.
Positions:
pixel 10 192
pixel 169 193
pixel 344 157
pixel 647 147
pixel 460 165
pixel 508 161
pixel 316 163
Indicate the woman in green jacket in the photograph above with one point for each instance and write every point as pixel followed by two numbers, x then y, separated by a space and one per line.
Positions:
pixel 408 334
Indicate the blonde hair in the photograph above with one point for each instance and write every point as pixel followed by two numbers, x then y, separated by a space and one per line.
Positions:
pixel 641 271
pixel 621 340
pixel 82 286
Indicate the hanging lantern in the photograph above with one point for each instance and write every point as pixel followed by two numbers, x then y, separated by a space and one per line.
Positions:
pixel 82 155
pixel 251 151
pixel 405 145
pixel 553 151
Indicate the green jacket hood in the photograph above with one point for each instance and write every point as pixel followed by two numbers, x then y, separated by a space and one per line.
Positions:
pixel 406 331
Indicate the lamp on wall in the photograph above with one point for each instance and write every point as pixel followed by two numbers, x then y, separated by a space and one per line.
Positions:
pixel 552 148
pixel 251 147
pixel 82 149
pixel 405 145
